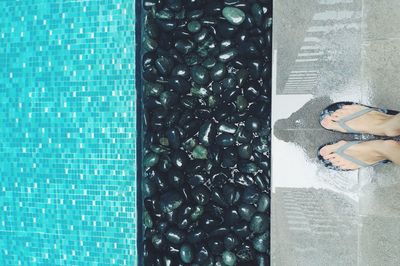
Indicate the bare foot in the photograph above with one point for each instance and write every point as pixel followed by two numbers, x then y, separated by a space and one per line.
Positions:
pixel 374 122
pixel 369 152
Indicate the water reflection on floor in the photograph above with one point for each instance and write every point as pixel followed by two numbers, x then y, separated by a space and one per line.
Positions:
pixel 327 51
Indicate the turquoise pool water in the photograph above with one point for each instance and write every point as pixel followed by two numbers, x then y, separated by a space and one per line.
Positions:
pixel 67 132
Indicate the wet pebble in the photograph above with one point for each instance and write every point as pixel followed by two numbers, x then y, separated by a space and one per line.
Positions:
pixel 206 68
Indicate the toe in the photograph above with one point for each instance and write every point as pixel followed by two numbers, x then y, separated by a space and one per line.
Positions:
pixel 328 123
pixel 325 150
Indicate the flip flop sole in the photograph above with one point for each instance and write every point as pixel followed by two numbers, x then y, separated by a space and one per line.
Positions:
pixel 339 105
pixel 330 166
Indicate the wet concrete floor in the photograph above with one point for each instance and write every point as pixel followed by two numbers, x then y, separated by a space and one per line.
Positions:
pixel 327 51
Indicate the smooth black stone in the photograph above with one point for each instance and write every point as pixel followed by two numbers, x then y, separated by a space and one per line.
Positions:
pixel 207 133
pixel 150 74
pixel 196 179
pixel 184 46
pixel 161 183
pixel 241 229
pixel 218 198
pixel 216 246
pixel 168 99
pixel 181 71
pixel 246 211
pixel 192 59
pixel 172 216
pixel 209 62
pixel 261 181
pixel 196 235
pixel 202 255
pixel 229 95
pixel 200 75
pixel 231 241
pixel 173 250
pixel 170 201
pixel 242 77
pixel 261 145
pixel 229 258
pixel 248 167
pixel 263 261
pixel 152 205
pixel 210 223
pixel 255 69
pixel 189 102
pixel 245 151
pixel 148 4
pixel 261 243
pixel 219 179
pixel 263 203
pixel 245 252
pixel 186 253
pixel 243 179
pixel 243 136
pixel 248 49
pixel 230 82
pixel 189 144
pixel 194 26
pixel 226 44
pixel 150 160
pixel 259 223
pixel 150 44
pixel 231 194
pixel 149 187
pixel 195 14
pixel 213 8
pixel 162 227
pixel 251 195
pixel 192 128
pixel 218 72
pixel 174 5
pixel 179 84
pixel 167 24
pixel 229 157
pixel 203 114
pixel 164 65
pixel 228 55
pixel 231 216
pixel 225 30
pixel 252 124
pixel 227 128
pixel 257 12
pixel 197 213
pixel 175 235
pixel 153 89
pixel 225 140
pixel 201 194
pixel 179 159
pixel 173 136
pixel 185 211
pixel 219 231
pixel 175 178
pixel 158 241
pixel 164 14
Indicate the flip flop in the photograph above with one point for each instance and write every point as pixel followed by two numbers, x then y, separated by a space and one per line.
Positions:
pixel 340 151
pixel 328 111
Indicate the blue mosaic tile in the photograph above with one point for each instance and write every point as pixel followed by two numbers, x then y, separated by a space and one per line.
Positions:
pixel 67 116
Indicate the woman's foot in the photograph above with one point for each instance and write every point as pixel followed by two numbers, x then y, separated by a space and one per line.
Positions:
pixel 373 122
pixel 369 152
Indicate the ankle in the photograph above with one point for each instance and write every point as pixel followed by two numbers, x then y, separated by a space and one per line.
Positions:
pixel 392 126
pixel 389 147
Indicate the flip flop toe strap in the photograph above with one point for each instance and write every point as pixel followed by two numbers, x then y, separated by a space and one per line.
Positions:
pixel 341 153
pixel 342 122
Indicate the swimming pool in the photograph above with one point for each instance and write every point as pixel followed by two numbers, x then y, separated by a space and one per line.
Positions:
pixel 67 116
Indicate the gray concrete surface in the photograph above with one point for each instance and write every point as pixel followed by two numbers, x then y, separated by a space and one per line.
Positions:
pixel 327 51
